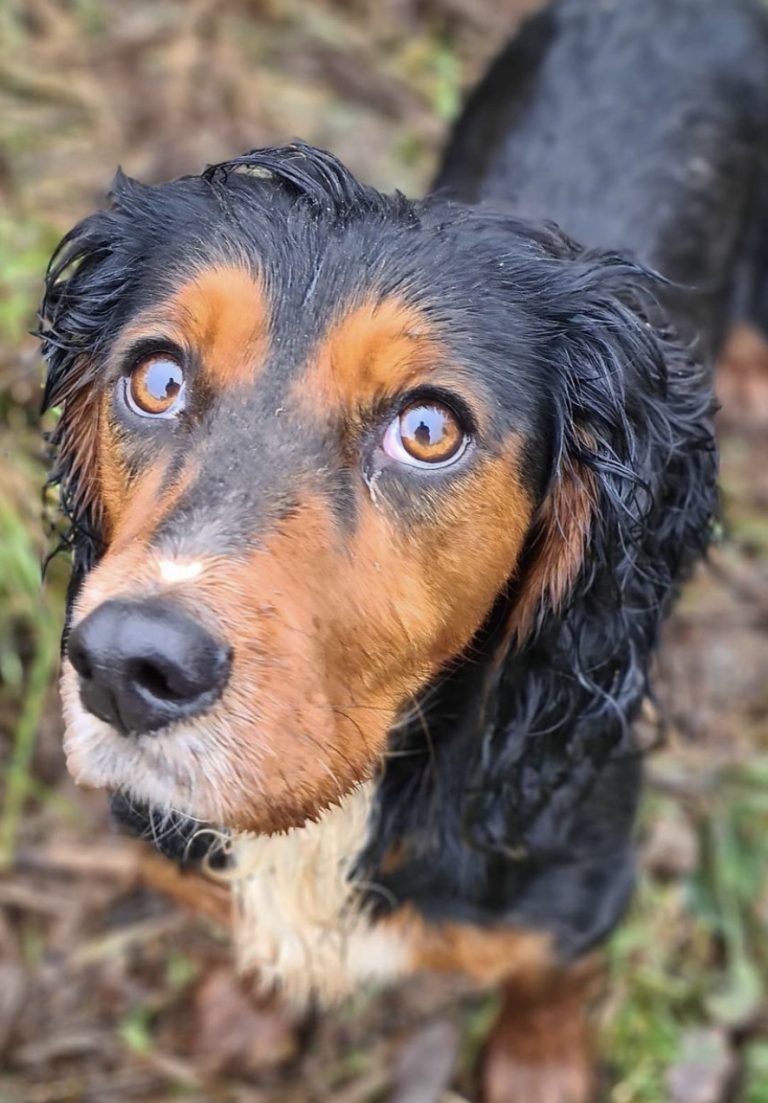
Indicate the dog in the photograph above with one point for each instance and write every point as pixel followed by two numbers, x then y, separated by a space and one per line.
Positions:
pixel 376 507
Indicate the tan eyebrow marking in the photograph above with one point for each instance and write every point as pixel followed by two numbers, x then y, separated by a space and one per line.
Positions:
pixel 222 314
pixel 379 348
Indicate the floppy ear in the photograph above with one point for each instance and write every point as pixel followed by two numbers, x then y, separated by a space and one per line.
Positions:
pixel 629 510
pixel 84 291
pixel 537 718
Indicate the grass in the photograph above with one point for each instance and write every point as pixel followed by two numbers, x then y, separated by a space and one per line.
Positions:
pixel 695 954
pixel 30 618
pixel 25 246
pixel 29 633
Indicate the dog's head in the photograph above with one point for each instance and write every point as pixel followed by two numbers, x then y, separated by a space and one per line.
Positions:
pixel 312 440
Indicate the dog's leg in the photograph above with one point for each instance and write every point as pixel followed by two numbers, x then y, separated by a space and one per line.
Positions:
pixel 742 378
pixel 741 382
pixel 540 1049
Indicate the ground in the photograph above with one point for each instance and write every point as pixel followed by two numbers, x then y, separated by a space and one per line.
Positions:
pixel 109 990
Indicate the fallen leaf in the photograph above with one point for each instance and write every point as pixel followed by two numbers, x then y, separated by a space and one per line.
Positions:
pixel 425 1063
pixel 672 848
pixel 238 1031
pixel 705 1071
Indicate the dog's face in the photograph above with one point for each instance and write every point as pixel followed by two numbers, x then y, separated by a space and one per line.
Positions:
pixel 311 445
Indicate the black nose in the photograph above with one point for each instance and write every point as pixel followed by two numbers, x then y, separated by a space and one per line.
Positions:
pixel 143 665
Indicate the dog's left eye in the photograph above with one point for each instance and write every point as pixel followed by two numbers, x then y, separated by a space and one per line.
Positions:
pixel 426 434
pixel 155 387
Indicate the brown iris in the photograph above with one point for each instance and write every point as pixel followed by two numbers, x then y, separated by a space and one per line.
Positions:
pixel 155 386
pixel 430 432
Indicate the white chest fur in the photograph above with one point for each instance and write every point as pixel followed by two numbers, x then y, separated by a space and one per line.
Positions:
pixel 298 918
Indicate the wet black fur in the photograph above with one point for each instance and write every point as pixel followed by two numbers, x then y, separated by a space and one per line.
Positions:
pixel 511 792
pixel 640 127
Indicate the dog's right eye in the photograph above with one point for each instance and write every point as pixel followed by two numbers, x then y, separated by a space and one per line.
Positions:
pixel 155 387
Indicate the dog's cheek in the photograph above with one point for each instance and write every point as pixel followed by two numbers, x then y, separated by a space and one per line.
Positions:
pixel 483 536
pixel 422 587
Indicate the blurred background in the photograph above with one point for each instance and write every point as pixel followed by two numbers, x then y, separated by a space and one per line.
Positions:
pixel 109 991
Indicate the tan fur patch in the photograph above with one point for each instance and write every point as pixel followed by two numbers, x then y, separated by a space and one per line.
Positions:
pixel 486 955
pixel 565 524
pixel 135 505
pixel 541 1047
pixel 379 348
pixel 223 314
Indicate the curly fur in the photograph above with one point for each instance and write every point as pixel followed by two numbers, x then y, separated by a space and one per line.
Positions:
pixel 550 766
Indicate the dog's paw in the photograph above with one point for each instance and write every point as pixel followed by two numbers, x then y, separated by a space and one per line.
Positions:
pixel 541 1048
pixel 507 1079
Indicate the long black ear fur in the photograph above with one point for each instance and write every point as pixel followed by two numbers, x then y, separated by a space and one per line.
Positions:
pixel 85 297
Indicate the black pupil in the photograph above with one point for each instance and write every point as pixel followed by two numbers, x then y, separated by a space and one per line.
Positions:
pixel 426 425
pixel 163 379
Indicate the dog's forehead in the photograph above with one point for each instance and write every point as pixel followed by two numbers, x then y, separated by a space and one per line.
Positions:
pixel 308 259
pixel 302 334
pixel 245 331
pixel 261 286
pixel 272 411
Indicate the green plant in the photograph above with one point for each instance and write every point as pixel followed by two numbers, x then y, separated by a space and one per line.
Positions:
pixel 29 632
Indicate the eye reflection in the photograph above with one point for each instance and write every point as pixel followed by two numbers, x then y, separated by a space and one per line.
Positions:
pixel 155 387
pixel 425 434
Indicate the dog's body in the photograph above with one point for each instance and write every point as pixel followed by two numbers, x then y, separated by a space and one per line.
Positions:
pixel 640 127
pixel 377 506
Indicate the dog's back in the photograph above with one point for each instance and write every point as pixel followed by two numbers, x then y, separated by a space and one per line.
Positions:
pixel 640 127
